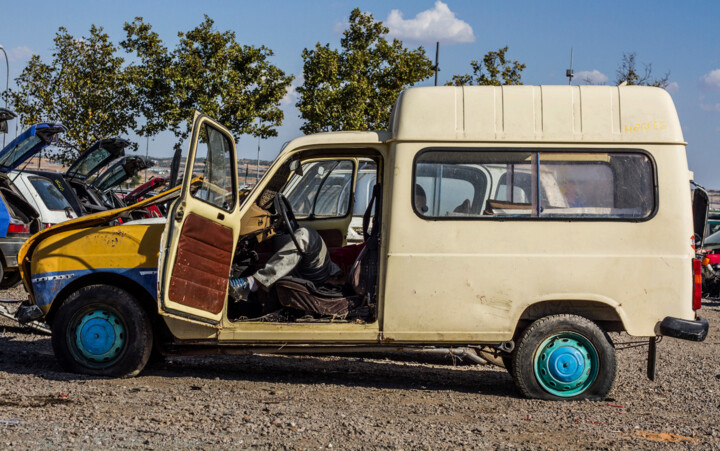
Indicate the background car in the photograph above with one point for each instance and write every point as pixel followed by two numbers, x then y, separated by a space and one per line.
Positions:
pixel 18 218
pixel 45 197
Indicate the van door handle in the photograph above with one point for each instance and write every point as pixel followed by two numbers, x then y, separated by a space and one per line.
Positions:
pixel 221 216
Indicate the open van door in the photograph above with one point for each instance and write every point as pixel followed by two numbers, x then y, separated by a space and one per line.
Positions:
pixel 700 207
pixel 202 229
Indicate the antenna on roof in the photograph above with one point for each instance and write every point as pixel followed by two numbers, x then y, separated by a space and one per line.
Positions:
pixel 569 73
pixel 437 54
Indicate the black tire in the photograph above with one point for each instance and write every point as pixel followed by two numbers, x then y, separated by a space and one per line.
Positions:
pixel 10 279
pixel 507 362
pixel 566 336
pixel 102 318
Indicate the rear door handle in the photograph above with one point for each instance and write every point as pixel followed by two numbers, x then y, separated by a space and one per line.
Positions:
pixel 221 216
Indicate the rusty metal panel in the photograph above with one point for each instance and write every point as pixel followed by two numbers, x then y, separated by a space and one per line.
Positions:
pixel 202 267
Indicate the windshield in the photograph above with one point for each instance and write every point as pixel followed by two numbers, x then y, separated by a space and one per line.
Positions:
pixel 713 239
pixel 89 163
pixel 12 155
pixel 50 195
pixel 112 177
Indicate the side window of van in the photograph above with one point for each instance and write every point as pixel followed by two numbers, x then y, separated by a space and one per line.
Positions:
pixel 323 191
pixel 544 184
pixel 613 185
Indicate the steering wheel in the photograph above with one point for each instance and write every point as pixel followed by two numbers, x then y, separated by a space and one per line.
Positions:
pixel 287 218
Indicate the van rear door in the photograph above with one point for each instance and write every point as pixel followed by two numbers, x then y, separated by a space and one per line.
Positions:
pixel 700 206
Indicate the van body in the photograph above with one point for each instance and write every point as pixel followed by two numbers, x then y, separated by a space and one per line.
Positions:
pixel 517 224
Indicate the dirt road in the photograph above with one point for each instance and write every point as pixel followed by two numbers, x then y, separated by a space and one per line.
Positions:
pixel 348 403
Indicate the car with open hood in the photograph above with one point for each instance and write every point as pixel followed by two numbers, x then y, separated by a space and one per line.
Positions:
pixel 117 174
pixel 39 191
pixel 19 218
pixel 88 183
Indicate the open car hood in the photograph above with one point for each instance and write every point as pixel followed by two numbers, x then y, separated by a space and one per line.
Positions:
pixel 30 142
pixel 97 157
pixel 142 190
pixel 121 171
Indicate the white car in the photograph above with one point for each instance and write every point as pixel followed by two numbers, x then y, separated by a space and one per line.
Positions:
pixel 43 195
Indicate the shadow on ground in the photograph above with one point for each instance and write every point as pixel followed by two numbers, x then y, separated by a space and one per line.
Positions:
pixel 24 353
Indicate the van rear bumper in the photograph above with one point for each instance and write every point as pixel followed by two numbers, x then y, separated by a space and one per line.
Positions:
pixel 684 329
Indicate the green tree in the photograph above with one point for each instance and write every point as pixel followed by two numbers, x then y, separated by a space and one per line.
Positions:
pixel 207 71
pixel 495 70
pixel 84 87
pixel 628 72
pixel 354 88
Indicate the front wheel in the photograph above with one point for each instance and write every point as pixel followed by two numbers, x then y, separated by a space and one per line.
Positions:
pixel 102 330
pixel 564 357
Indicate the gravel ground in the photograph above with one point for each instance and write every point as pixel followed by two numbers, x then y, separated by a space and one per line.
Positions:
pixel 351 402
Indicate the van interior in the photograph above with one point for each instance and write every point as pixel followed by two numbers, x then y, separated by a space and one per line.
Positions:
pixel 338 196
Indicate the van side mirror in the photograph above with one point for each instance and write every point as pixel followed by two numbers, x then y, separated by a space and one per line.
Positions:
pixel 296 167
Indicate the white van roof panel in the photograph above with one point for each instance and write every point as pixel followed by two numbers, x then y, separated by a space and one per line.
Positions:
pixel 633 114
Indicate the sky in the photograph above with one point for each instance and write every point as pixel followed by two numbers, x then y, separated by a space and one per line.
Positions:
pixel 676 37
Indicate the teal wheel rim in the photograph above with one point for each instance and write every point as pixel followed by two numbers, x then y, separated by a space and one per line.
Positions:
pixel 566 364
pixel 99 337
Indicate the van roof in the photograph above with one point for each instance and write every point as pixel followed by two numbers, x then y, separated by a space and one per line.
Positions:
pixel 599 114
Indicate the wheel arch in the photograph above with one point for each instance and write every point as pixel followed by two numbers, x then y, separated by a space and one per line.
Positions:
pixel 146 299
pixel 606 314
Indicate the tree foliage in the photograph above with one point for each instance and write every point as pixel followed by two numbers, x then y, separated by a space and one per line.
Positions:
pixel 83 86
pixel 495 70
pixel 208 71
pixel 355 87
pixel 628 72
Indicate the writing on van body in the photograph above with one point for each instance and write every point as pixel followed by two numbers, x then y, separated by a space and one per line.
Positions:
pixel 644 126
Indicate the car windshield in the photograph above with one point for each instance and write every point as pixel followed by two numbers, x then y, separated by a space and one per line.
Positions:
pixel 114 176
pixel 50 195
pixel 713 239
pixel 90 162
pixel 20 149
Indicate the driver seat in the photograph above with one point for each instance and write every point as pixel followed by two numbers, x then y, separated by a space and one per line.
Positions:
pixel 333 300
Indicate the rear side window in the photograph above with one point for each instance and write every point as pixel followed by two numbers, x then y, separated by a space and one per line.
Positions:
pixel 534 184
pixel 49 194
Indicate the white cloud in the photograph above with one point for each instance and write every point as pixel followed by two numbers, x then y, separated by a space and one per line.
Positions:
pixel 710 107
pixel 340 27
pixel 291 94
pixel 711 81
pixel 592 77
pixel 436 24
pixel 672 87
pixel 21 53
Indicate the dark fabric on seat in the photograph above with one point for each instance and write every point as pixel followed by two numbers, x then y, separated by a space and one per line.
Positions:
pixel 325 300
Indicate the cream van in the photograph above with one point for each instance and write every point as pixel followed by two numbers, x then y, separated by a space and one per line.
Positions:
pixel 518 224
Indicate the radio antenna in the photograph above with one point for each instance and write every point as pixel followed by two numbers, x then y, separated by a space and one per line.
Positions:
pixel 569 73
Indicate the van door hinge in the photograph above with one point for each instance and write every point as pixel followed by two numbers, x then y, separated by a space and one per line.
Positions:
pixel 180 212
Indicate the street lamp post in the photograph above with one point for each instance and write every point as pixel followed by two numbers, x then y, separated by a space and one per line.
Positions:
pixel 147 149
pixel 7 82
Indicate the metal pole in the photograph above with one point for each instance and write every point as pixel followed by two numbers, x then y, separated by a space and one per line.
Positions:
pixel 147 147
pixel 257 174
pixel 7 83
pixel 437 54
pixel 569 73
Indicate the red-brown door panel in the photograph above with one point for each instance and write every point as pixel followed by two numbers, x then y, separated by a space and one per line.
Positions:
pixel 202 267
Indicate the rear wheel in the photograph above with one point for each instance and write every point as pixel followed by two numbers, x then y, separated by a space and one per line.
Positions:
pixel 564 357
pixel 102 330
